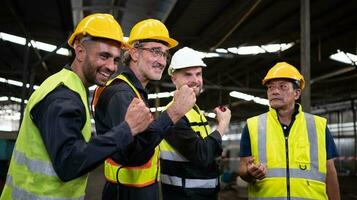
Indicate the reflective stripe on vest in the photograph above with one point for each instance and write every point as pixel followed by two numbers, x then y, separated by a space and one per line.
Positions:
pixel 199 124
pixel 31 174
pixel 306 146
pixel 18 193
pixel 137 176
pixel 173 156
pixel 36 166
pixel 189 183
pixel 313 173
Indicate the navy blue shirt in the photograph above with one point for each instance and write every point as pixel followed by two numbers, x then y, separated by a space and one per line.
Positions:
pixel 60 116
pixel 245 146
pixel 110 111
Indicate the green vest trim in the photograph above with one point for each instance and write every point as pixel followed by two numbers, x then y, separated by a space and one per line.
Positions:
pixel 199 124
pixel 138 176
pixel 31 174
pixel 307 156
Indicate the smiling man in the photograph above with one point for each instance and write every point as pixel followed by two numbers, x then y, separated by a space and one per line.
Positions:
pixel 133 173
pixel 287 153
pixel 55 149
pixel 188 155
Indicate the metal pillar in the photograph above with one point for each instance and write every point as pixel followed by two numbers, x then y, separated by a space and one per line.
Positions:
pixel 305 53
pixel 25 76
pixel 353 106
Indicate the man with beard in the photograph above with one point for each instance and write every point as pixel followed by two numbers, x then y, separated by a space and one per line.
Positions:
pixel 54 149
pixel 188 155
pixel 133 173
pixel 285 152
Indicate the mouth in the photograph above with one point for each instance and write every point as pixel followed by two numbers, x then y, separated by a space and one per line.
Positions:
pixel 104 75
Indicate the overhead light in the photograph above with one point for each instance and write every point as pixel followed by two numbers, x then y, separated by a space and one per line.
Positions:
pixel 158 109
pixel 255 49
pixel 210 115
pixel 160 95
pixel 16 83
pixel 3 98
pixel 248 97
pixel 36 44
pixel 343 57
pixel 221 50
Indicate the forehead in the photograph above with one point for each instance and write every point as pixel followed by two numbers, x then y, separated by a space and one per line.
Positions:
pixel 155 45
pixel 190 70
pixel 279 81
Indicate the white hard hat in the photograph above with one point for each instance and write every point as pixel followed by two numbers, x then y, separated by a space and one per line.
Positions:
pixel 184 58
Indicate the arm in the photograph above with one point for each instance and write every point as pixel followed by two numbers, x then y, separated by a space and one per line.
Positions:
pixel 249 171
pixel 200 151
pixel 332 186
pixel 60 118
pixel 111 113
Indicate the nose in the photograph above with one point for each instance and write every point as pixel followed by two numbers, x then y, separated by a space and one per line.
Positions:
pixel 162 60
pixel 112 66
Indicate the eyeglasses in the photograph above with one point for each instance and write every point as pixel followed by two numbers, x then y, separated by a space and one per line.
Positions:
pixel 156 52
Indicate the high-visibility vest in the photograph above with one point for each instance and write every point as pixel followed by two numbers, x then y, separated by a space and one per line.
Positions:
pixel 199 124
pixel 134 176
pixel 31 174
pixel 299 174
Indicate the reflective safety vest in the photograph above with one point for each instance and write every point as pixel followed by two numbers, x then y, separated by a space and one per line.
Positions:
pixel 135 176
pixel 31 174
pixel 199 124
pixel 296 164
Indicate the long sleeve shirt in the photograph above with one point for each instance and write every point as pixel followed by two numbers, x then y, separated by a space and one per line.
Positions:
pixel 110 111
pixel 60 117
pixel 201 152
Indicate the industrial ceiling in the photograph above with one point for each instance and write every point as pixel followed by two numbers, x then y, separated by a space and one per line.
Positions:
pixel 201 24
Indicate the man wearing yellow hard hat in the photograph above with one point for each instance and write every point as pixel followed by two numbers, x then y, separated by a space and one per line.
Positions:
pixel 133 173
pixel 285 152
pixel 188 155
pixel 54 149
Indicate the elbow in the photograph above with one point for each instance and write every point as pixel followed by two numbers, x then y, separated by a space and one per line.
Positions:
pixel 63 176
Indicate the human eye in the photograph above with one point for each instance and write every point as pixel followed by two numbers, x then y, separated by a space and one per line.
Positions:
pixel 157 52
pixel 104 56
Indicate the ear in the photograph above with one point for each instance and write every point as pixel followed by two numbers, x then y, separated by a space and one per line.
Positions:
pixel 297 94
pixel 173 79
pixel 134 54
pixel 80 52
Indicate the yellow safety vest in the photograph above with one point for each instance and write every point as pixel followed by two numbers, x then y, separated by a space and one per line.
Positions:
pixel 303 176
pixel 199 124
pixel 31 174
pixel 136 176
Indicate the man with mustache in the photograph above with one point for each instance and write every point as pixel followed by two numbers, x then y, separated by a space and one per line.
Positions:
pixel 55 149
pixel 133 173
pixel 188 155
pixel 287 153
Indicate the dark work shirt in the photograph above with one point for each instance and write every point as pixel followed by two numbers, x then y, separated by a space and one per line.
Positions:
pixel 60 116
pixel 192 146
pixel 245 145
pixel 110 111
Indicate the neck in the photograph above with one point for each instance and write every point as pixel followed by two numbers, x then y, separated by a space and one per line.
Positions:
pixel 285 114
pixel 76 68
pixel 143 80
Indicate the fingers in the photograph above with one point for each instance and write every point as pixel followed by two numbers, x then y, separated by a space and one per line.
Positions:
pixel 258 171
pixel 138 116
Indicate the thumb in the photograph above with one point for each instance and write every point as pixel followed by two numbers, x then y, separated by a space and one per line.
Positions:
pixel 251 161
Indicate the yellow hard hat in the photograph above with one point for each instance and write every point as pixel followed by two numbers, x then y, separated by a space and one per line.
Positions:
pixel 151 29
pixel 98 25
pixel 284 70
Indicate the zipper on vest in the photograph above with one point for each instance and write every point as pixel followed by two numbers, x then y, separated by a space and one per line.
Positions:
pixel 287 168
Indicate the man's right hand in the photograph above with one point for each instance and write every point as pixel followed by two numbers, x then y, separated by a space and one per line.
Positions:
pixel 138 116
pixel 223 117
pixel 184 100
